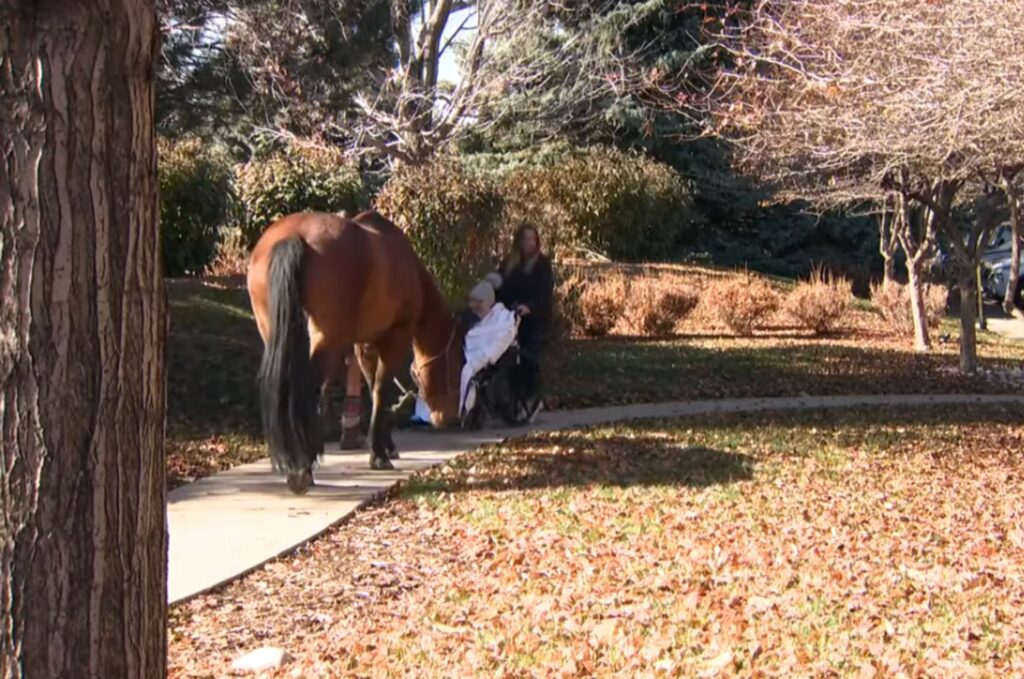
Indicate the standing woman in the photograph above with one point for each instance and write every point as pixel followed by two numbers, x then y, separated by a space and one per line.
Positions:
pixel 528 289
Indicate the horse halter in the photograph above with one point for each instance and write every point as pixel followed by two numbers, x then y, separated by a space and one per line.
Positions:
pixel 416 370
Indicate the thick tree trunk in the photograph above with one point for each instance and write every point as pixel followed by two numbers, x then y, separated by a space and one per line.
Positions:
pixel 968 327
pixel 82 324
pixel 922 342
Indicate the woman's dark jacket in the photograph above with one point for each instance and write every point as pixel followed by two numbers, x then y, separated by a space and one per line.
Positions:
pixel 534 288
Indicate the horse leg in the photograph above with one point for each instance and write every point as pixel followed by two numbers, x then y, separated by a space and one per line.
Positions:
pixel 390 352
pixel 368 359
pixel 324 368
pixel 351 425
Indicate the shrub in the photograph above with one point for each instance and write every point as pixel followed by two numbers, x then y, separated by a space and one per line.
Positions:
pixel 656 305
pixel 297 179
pixel 601 304
pixel 619 204
pixel 452 217
pixel 892 302
pixel 570 283
pixel 742 303
pixel 231 257
pixel 821 303
pixel 195 200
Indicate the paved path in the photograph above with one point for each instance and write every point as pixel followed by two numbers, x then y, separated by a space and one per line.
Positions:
pixel 230 523
pixel 1010 328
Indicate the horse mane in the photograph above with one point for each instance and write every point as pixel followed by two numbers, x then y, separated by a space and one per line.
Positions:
pixel 437 321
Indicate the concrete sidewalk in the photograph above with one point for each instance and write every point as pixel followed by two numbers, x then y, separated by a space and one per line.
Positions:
pixel 227 524
pixel 1010 328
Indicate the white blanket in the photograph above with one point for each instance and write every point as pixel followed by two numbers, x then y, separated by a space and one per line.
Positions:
pixel 486 342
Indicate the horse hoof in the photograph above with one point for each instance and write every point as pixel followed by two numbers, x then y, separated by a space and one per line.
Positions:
pixel 393 454
pixel 300 482
pixel 380 463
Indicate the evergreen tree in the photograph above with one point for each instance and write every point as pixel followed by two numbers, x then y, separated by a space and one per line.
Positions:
pixel 232 67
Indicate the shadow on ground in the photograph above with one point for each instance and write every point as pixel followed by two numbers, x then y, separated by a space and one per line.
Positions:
pixel 709 450
pixel 602 372
pixel 578 460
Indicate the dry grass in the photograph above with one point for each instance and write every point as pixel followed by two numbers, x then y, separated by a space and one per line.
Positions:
pixel 601 305
pixel 821 303
pixel 892 302
pixel 231 257
pixel 656 306
pixel 742 303
pixel 650 294
pixel 697 284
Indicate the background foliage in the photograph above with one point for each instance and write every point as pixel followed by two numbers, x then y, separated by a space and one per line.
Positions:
pixel 297 179
pixel 196 199
pixel 452 216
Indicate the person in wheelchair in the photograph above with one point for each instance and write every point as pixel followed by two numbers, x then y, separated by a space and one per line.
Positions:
pixel 494 375
pixel 489 385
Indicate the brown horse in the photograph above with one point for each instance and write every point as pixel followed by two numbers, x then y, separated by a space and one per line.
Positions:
pixel 322 285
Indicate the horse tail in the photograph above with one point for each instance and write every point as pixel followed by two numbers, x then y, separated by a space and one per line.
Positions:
pixel 286 381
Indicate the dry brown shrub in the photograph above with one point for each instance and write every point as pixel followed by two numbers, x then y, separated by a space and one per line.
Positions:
pixel 656 305
pixel 231 257
pixel 742 303
pixel 892 301
pixel 820 303
pixel 601 304
pixel 570 283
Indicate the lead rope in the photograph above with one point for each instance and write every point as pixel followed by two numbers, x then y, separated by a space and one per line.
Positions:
pixel 408 394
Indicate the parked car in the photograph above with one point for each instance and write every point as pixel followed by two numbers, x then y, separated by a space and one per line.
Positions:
pixel 995 266
pixel 996 281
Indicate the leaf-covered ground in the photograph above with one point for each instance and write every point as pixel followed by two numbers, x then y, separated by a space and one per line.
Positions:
pixel 855 543
pixel 214 352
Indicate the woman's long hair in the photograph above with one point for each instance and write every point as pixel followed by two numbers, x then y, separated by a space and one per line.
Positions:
pixel 516 258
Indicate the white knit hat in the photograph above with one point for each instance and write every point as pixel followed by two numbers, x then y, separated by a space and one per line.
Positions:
pixel 483 292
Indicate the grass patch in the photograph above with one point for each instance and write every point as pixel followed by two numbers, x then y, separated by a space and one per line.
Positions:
pixel 214 352
pixel 213 419
pixel 816 543
pixel 713 367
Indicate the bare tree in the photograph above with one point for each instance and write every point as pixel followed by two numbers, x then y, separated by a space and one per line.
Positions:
pixel 83 550
pixel 916 233
pixel 519 51
pixel 889 224
pixel 831 100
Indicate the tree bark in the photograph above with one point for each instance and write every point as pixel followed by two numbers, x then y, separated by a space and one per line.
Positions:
pixel 968 327
pixel 979 299
pixel 967 256
pixel 83 539
pixel 888 240
pixel 922 341
pixel 889 275
pixel 1010 299
pixel 916 247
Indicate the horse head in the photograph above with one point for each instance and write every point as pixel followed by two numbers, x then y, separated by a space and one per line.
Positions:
pixel 437 367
